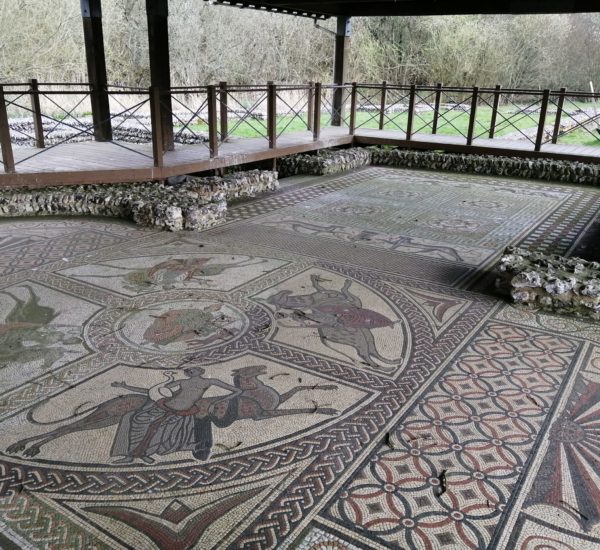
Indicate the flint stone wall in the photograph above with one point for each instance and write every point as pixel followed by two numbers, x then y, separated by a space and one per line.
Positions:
pixel 191 204
pixel 550 282
pixel 489 165
pixel 324 162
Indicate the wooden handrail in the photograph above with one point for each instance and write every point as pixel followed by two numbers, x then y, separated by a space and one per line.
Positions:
pixel 411 112
pixel 317 112
pixel 272 115
pixel 224 111
pixel 559 110
pixel 473 115
pixel 542 121
pixel 38 127
pixel 213 137
pixel 5 144
pixel 156 124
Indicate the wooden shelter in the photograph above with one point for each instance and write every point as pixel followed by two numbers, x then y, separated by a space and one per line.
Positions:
pixel 342 101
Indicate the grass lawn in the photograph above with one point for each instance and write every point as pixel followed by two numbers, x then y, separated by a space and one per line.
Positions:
pixel 451 122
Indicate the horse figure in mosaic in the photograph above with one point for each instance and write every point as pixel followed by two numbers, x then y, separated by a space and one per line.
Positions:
pixel 340 318
pixel 150 424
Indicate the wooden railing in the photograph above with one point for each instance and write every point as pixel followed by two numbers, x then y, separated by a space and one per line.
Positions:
pixel 214 114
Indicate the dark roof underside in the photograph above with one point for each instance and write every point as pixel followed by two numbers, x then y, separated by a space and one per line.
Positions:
pixel 322 9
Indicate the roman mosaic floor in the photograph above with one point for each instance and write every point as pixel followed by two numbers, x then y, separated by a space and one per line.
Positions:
pixel 331 369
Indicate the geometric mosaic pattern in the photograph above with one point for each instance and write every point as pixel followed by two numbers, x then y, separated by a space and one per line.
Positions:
pixel 316 373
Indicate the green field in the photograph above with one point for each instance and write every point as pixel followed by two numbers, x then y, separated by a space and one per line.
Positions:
pixel 452 122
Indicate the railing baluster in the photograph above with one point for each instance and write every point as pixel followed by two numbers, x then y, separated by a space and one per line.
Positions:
pixel 411 111
pixel 383 102
pixel 272 114
pixel 352 124
pixel 317 113
pixel 156 122
pixel 5 143
pixel 473 115
pixel 38 128
pixel 311 98
pixel 495 111
pixel 213 135
pixel 542 121
pixel 559 110
pixel 436 108
pixel 223 119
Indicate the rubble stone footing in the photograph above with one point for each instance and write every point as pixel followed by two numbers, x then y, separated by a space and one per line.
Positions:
pixel 489 165
pixel 192 203
pixel 550 282
pixel 324 162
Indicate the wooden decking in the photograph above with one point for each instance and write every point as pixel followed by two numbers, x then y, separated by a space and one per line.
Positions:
pixel 108 162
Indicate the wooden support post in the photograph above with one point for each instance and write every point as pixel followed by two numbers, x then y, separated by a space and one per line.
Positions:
pixel 342 49
pixel 473 115
pixel 559 110
pixel 382 105
pixel 316 127
pixel 310 106
pixel 436 108
pixel 38 128
pixel 91 12
pixel 5 143
pixel 156 123
pixel 411 110
pixel 272 115
pixel 352 124
pixel 224 114
pixel 495 108
pixel 542 122
pixel 160 70
pixel 213 135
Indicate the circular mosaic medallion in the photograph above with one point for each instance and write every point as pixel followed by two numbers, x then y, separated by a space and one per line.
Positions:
pixel 182 326
pixel 204 323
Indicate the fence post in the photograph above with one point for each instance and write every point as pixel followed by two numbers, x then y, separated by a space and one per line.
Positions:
pixel 156 123
pixel 352 124
pixel 436 108
pixel 310 106
pixel 382 107
pixel 5 144
pixel 223 104
pixel 272 114
pixel 495 111
pixel 542 121
pixel 559 110
pixel 411 109
pixel 316 126
pixel 38 128
pixel 473 116
pixel 213 133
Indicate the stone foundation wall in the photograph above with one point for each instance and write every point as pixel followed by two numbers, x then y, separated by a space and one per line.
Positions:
pixel 192 204
pixel 324 162
pixel 489 165
pixel 553 283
